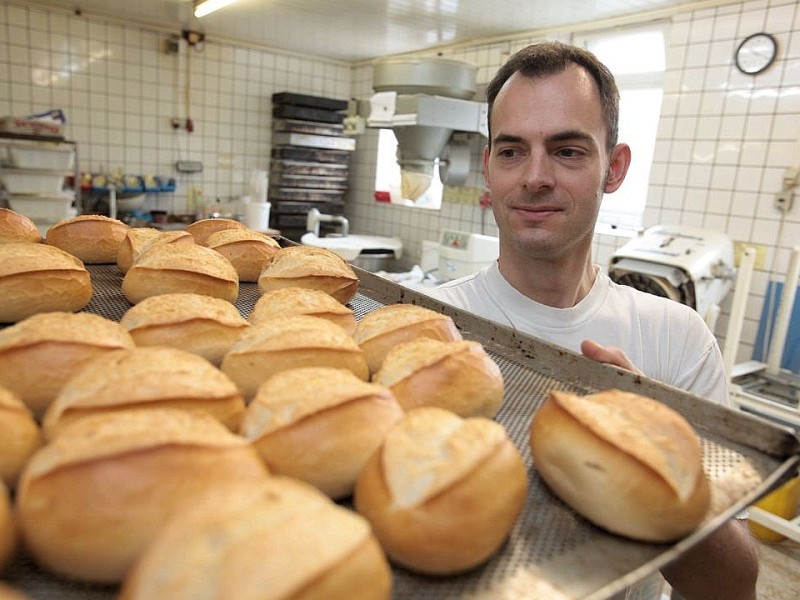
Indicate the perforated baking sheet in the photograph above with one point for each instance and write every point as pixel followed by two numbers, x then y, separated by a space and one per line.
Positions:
pixel 552 553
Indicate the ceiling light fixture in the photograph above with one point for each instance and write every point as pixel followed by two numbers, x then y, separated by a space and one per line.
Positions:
pixel 206 7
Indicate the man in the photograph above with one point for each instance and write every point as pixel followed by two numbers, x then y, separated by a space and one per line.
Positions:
pixel 552 154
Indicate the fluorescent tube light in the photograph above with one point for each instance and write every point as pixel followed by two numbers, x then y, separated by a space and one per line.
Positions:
pixel 206 7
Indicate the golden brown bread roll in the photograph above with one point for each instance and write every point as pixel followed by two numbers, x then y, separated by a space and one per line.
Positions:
pixel 319 425
pixel 279 344
pixel 39 354
pixel 139 239
pixel 90 501
pixel 8 528
pixel 20 435
pixel 385 327
pixel 309 267
pixel 192 322
pixel 200 230
pixel 94 239
pixel 247 250
pixel 290 301
pixel 625 462
pixel 277 539
pixel 143 378
pixel 16 227
pixel 442 493
pixel 180 268
pixel 458 376
pixel 37 278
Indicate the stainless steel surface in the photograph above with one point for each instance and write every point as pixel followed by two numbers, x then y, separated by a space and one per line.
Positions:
pixel 550 544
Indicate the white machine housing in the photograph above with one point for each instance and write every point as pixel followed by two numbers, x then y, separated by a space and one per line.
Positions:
pixel 462 253
pixel 689 265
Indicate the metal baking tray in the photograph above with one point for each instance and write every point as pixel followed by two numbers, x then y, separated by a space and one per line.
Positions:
pixel 550 546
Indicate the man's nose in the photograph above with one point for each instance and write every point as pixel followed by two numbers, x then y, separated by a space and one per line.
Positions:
pixel 539 172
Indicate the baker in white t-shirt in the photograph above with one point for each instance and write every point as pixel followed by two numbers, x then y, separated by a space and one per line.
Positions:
pixel 552 154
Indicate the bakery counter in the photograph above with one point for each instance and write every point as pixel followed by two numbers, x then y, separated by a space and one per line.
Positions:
pixel 552 552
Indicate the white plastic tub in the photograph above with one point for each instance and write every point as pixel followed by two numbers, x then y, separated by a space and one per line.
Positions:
pixel 28 181
pixel 40 156
pixel 44 208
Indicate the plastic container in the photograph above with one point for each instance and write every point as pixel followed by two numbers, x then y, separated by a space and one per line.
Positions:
pixel 42 157
pixel 43 208
pixel 782 502
pixel 28 181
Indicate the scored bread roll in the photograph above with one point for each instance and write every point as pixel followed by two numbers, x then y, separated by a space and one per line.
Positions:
pixel 192 322
pixel 142 378
pixel 8 527
pixel 458 376
pixel 202 229
pixel 279 538
pixel 442 493
pixel 20 434
pixel 91 500
pixel 312 268
pixel 279 344
pixel 38 278
pixel 39 354
pixel 319 425
pixel 290 301
pixel 139 239
pixel 16 227
pixel 247 250
pixel 625 462
pixel 175 268
pixel 94 239
pixel 385 327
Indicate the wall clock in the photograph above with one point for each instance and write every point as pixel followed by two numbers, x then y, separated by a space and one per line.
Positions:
pixel 756 53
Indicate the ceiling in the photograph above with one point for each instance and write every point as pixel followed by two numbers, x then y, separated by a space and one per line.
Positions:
pixel 359 30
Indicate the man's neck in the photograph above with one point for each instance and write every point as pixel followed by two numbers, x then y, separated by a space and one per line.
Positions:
pixel 560 283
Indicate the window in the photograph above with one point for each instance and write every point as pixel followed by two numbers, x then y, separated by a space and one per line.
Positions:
pixel 387 175
pixel 640 78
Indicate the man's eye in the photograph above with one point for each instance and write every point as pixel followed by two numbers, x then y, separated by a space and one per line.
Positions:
pixel 507 153
pixel 569 152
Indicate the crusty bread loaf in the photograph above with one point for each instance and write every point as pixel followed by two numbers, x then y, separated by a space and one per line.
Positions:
pixel 247 250
pixel 139 239
pixel 278 539
pixel 202 229
pixel 94 239
pixel 186 268
pixel 90 500
pixel 39 354
pixel 16 227
pixel 20 435
pixel 310 267
pixel 192 322
pixel 38 278
pixel 625 462
pixel 290 301
pixel 442 493
pixel 8 528
pixel 458 376
pixel 143 378
pixel 319 425
pixel 385 327
pixel 279 344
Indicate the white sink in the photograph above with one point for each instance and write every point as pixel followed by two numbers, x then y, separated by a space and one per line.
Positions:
pixel 350 247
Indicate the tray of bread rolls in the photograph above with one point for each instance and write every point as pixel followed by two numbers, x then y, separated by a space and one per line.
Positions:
pixel 501 526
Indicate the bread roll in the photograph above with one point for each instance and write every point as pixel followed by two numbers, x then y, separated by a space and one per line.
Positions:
pixel 202 229
pixel 312 268
pixel 458 376
pixel 143 378
pixel 442 493
pixel 8 528
pixel 192 322
pixel 16 227
pixel 90 501
pixel 38 278
pixel 38 355
pixel 279 344
pixel 287 302
pixel 385 327
pixel 139 239
pixel 279 539
pixel 180 268
pixel 625 462
pixel 319 425
pixel 247 250
pixel 20 434
pixel 94 239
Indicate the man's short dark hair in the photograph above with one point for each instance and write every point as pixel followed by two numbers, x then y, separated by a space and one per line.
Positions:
pixel 550 58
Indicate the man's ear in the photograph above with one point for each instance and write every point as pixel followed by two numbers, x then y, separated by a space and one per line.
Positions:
pixel 618 164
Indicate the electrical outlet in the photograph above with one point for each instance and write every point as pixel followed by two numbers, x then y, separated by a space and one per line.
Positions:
pixel 784 200
pixel 761 253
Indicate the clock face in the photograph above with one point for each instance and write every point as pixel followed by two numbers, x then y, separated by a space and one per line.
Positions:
pixel 756 53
